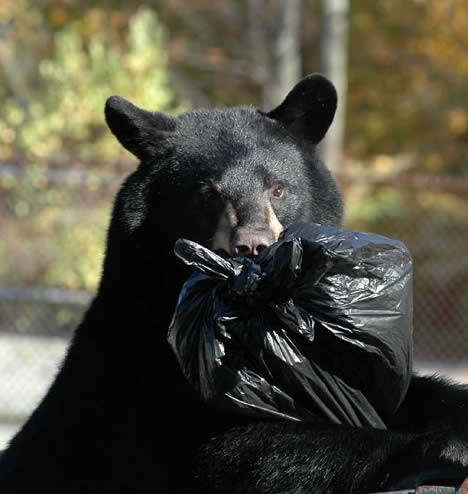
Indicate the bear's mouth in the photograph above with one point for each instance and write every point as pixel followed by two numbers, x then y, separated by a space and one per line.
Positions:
pixel 226 255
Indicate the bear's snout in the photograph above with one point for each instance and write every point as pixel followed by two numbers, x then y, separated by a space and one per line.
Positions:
pixel 249 243
pixel 246 231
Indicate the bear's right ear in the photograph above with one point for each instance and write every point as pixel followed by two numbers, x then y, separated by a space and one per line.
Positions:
pixel 140 131
pixel 309 108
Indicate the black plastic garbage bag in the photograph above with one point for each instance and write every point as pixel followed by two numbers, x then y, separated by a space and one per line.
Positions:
pixel 319 325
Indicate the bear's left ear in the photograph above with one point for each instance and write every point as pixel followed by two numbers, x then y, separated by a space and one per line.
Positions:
pixel 309 108
pixel 140 131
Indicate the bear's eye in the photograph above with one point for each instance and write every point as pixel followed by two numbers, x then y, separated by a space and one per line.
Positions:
pixel 207 193
pixel 277 191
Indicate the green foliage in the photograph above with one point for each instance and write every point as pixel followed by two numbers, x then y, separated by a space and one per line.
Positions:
pixel 67 119
pixel 53 231
pixel 407 83
pixel 53 234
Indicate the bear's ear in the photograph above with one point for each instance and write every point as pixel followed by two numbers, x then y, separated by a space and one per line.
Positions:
pixel 140 131
pixel 309 108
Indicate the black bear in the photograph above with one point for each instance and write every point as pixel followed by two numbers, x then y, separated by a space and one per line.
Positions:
pixel 121 418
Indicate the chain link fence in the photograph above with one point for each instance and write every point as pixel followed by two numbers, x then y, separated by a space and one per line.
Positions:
pixel 44 213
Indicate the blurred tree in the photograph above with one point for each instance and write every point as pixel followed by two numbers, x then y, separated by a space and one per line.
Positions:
pixel 408 77
pixel 63 116
pixel 223 66
pixel 59 120
pixel 334 51
pixel 407 115
pixel 284 49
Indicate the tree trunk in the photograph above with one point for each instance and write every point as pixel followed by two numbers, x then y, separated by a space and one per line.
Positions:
pixel 334 54
pixel 285 62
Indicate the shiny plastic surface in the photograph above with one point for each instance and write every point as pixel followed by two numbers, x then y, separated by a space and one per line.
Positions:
pixel 318 326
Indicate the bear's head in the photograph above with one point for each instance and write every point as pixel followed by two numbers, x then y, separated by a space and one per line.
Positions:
pixel 229 178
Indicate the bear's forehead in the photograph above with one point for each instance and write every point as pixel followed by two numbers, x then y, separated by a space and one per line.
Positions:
pixel 243 125
pixel 235 138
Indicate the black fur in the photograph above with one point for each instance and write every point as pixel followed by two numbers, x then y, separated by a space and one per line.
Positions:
pixel 121 418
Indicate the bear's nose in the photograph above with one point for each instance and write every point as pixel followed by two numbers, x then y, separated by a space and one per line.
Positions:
pixel 249 244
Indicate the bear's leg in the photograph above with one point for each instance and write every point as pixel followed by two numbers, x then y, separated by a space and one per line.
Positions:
pixel 292 457
pixel 436 410
pixel 432 403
